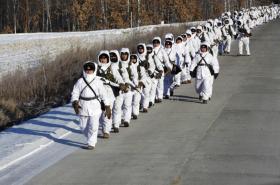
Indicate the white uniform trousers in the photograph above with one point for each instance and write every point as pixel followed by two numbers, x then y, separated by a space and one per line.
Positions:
pixel 127 106
pixel 215 50
pixel 244 41
pixel 227 44
pixel 136 98
pixel 146 96
pixel 185 74
pixel 153 90
pixel 160 88
pixel 117 111
pixel 89 126
pixel 105 123
pixel 211 86
pixel 178 77
pixel 203 87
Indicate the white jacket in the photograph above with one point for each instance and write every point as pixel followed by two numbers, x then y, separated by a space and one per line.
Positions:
pixel 92 107
pixel 202 69
pixel 162 56
pixel 240 32
pixel 138 73
pixel 227 30
pixel 124 67
pixel 189 45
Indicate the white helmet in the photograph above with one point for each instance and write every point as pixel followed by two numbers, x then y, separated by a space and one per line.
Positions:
pixel 107 55
pixel 169 36
pixel 189 32
pixel 205 44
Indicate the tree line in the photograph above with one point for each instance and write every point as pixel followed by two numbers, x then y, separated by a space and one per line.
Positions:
pixel 25 16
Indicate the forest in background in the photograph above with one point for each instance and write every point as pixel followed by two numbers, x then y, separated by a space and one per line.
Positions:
pixel 27 16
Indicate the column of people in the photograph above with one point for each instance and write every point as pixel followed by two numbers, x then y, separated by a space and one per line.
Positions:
pixel 119 85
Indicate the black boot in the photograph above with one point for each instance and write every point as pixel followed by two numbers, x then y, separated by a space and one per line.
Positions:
pixel 166 97
pixel 134 116
pixel 115 129
pixel 125 124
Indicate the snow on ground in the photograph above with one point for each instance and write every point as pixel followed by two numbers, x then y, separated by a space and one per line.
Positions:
pixel 28 50
pixel 20 141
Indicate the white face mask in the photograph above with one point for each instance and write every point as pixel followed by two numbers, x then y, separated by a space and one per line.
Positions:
pixel 203 53
pixel 88 77
pixel 168 49
pixel 142 56
pixel 104 67
pixel 180 46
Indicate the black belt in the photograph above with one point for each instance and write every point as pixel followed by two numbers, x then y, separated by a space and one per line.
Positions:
pixel 202 64
pixel 87 99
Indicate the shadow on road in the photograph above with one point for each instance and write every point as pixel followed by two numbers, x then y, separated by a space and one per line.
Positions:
pixel 47 134
pixel 47 128
pixel 185 99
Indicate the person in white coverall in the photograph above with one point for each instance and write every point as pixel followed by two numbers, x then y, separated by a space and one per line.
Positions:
pixel 137 78
pixel 178 50
pixel 117 108
pixel 188 54
pixel 126 104
pixel 243 37
pixel 169 77
pixel 195 39
pixel 203 67
pixel 112 83
pixel 161 55
pixel 155 72
pixel 218 32
pixel 149 68
pixel 227 34
pixel 87 97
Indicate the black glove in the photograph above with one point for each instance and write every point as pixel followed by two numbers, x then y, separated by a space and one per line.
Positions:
pixel 122 87
pixel 108 112
pixel 141 84
pixel 216 75
pixel 235 36
pixel 192 74
pixel 248 34
pixel 76 106
pixel 150 74
pixel 159 75
pixel 126 87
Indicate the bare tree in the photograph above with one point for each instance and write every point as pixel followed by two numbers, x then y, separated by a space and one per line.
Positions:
pixel 15 10
pixel 49 22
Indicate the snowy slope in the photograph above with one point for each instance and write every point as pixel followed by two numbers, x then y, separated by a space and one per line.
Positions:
pixel 27 50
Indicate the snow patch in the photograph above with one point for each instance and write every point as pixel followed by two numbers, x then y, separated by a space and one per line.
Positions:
pixel 22 51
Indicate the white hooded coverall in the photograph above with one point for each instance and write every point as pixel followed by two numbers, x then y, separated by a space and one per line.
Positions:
pixel 90 111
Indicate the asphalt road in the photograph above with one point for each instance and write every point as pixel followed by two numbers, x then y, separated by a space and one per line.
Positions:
pixel 233 140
